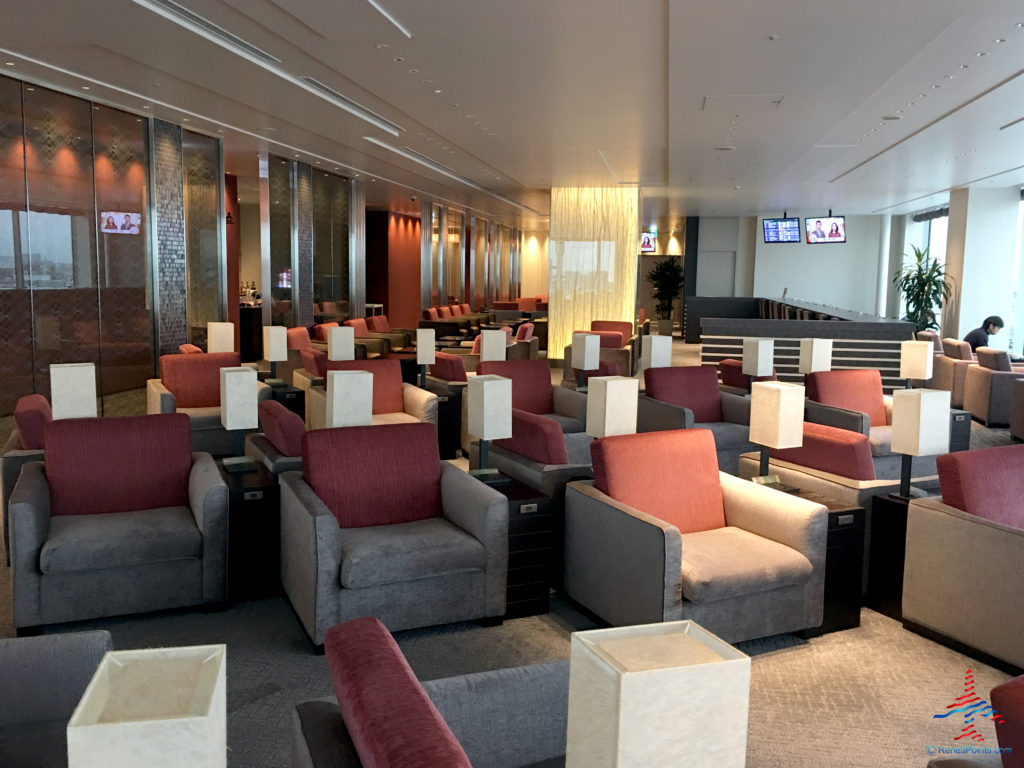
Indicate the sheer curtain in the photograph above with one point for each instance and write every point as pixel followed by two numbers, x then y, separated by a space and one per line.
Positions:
pixel 592 259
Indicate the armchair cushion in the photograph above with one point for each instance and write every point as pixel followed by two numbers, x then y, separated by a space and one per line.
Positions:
pixel 320 331
pixel 298 338
pixel 359 324
pixel 378 323
pixel 387 381
pixel 431 314
pixel 855 390
pixel 880 440
pixel 958 350
pixel 730 562
pixel 727 434
pixel 466 310
pixel 376 475
pixel 154 458
pixel 31 415
pixel 524 332
pixel 531 382
pixel 693 387
pixel 456 310
pixel 621 326
pixel 993 359
pixel 988 483
pixel 387 554
pixel 829 449
pixel 315 361
pixel 448 367
pixel 194 380
pixel 444 313
pixel 189 349
pixel 536 437
pixel 282 428
pixel 643 471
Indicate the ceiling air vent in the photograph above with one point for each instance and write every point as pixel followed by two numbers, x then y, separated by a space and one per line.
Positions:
pixel 186 18
pixel 341 100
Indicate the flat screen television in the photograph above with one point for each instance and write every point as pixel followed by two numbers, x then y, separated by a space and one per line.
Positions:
pixel 120 223
pixel 781 230
pixel 648 242
pixel 825 229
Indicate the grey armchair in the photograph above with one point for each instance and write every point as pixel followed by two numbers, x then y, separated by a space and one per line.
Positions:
pixel 31 415
pixel 988 386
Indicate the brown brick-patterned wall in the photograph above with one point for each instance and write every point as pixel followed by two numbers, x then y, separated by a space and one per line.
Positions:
pixel 169 213
pixel 304 261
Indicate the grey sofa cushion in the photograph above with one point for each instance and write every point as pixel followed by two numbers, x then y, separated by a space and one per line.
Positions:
pixel 203 418
pixel 567 423
pixel 880 440
pixel 727 434
pixel 32 745
pixel 385 554
pixel 729 562
pixel 118 539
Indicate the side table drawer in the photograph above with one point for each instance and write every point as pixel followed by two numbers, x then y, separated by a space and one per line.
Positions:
pixel 520 524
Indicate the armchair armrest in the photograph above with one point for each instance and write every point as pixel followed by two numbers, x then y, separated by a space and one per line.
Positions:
pixel 263 391
pixel 887 400
pixel 841 418
pixel 654 415
pixel 29 525
pixel 374 346
pixel 482 512
pixel 798 523
pixel 395 340
pixel 159 399
pixel 208 498
pixel 419 403
pixel 735 408
pixel 620 563
pixel 569 403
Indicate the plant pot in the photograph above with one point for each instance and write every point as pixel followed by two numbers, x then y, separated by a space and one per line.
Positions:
pixel 664 326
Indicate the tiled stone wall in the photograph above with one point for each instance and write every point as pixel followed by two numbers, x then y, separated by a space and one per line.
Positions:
pixel 304 262
pixel 169 210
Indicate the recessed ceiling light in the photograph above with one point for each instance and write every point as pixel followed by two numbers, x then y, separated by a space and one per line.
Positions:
pixel 398 59
pixel 899 111
pixel 414 71
pixel 437 90
pixel 470 117
pixel 999 40
pixel 981 53
pixel 220 130
pixel 85 87
pixel 965 66
pixel 935 85
pixel 382 46
pixel 1019 24
pixel 337 169
pixel 30 88
pixel 296 155
pixel 9 63
pixel 185 119
pixel 948 77
pixel 478 122
pixel 138 119
pixel 426 82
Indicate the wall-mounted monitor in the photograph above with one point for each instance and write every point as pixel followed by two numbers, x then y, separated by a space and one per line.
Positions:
pixel 781 230
pixel 825 229
pixel 648 242
pixel 120 223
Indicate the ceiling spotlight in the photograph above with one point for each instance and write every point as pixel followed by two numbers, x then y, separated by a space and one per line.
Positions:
pixel 184 119
pixel 29 88
pixel 382 46
pixel 948 77
pixel 414 71
pixel 470 117
pixel 85 87
pixel 296 155
pixel 9 63
pixel 935 86
pixel 981 53
pixel 999 40
pixel 426 82
pixel 145 106
pixel 1019 24
pixel 965 66
pixel 437 90
pixel 398 59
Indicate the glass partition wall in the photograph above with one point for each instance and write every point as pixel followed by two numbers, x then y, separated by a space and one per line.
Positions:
pixel 200 162
pixel 281 178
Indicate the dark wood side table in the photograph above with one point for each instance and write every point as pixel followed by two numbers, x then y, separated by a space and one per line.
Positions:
pixel 887 548
pixel 254 533
pixel 449 417
pixel 292 398
pixel 529 549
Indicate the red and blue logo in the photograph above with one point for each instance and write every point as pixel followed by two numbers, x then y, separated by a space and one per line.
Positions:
pixel 970 706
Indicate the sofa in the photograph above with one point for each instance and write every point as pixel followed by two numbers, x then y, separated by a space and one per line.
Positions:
pixel 988 386
pixel 394 401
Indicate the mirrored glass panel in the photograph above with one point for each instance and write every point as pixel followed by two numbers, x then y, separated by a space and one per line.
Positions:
pixel 280 183
pixel 330 247
pixel 201 166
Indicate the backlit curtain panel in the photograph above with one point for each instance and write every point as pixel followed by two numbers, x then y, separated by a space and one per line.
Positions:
pixel 592 259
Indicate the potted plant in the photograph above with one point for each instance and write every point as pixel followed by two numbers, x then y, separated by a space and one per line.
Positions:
pixel 924 287
pixel 667 278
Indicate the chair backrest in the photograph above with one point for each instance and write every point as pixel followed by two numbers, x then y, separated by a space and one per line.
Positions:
pixel 444 313
pixel 693 387
pixel 931 336
pixel 189 349
pixel 625 328
pixel 456 310
pixel 378 323
pixel 732 374
pixel 320 331
pixel 829 449
pixel 479 340
pixel 856 390
pixel 298 338
pixel 958 350
pixel 641 315
pixel 466 310
pixel 505 305
pixel 604 368
pixel 375 475
pixel 330 307
pixel 387 381
pixel 154 458
pixel 988 482
pixel 315 361
pixel 993 359
pixel 609 339
pixel 194 380
pixel 448 367
pixel 524 332
pixel 526 304
pixel 31 415
pixel 359 324
pixel 430 313
pixel 536 437
pixel 531 382
pixel 283 428
pixel 672 475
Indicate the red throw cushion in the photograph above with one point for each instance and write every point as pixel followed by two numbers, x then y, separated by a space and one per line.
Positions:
pixel 456 310
pixel 829 449
pixel 536 437
pixel 375 475
pixel 387 381
pixel 282 428
pixel 531 382
pixel 392 721
pixel 448 367
pixel 298 338
pixel 444 313
pixel 1008 701
pixel 378 323
pixel 361 331
pixel 31 415
pixel 153 461
pixel 988 482
pixel 857 390
pixel 525 332
pixel 609 339
pixel 320 331
pixel 621 326
pixel 315 361
pixel 430 314
pixel 733 376
pixel 693 387
pixel 465 309
pixel 194 380
pixel 189 349
pixel 672 475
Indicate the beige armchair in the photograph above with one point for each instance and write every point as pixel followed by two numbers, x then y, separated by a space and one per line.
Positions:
pixel 987 386
pixel 950 371
pixel 394 401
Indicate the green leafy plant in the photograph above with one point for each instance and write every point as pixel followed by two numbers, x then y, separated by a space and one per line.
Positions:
pixel 925 287
pixel 667 278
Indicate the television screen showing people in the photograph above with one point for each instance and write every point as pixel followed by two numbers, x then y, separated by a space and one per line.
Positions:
pixel 781 230
pixel 120 223
pixel 648 242
pixel 826 229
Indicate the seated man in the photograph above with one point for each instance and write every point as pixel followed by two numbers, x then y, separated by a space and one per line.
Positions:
pixel 979 336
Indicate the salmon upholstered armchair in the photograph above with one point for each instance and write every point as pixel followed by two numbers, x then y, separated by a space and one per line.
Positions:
pixel 398 340
pixel 371 347
pixel 617 347
pixel 444 324
pixel 735 380
pixel 950 370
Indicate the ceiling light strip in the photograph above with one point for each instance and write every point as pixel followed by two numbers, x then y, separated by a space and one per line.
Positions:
pixel 948 189
pixel 397 24
pixel 1011 123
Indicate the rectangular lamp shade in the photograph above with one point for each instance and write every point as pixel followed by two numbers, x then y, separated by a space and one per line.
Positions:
pixel 656 352
pixel 758 356
pixel 920 422
pixel 238 406
pixel 777 414
pixel 349 399
pixel 916 359
pixel 220 337
pixel 586 351
pixel 490 406
pixel 341 342
pixel 73 390
pixel 656 696
pixel 611 405
pixel 275 343
pixel 493 345
pixel 426 349
pixel 157 707
pixel 815 355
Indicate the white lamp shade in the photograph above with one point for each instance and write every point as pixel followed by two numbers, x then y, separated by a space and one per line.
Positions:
pixel 758 356
pixel 275 343
pixel 586 351
pixel 920 422
pixel 815 355
pixel 490 407
pixel 611 405
pixel 916 359
pixel 238 407
pixel 426 352
pixel 349 399
pixel 158 707
pixel 220 337
pixel 777 414
pixel 656 696
pixel 73 390
pixel 341 342
pixel 656 352
pixel 493 345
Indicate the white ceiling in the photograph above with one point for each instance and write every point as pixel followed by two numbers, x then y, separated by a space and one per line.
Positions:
pixel 727 108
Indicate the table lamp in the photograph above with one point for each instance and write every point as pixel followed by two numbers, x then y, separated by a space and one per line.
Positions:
pixel 220 337
pixel 490 415
pixel 493 345
pixel 758 357
pixel 585 356
pixel 612 405
pixel 73 390
pixel 920 427
pixel 341 342
pixel 238 410
pixel 275 349
pixel 349 399
pixel 426 351
pixel 916 360
pixel 815 355
pixel 656 352
pixel 776 417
